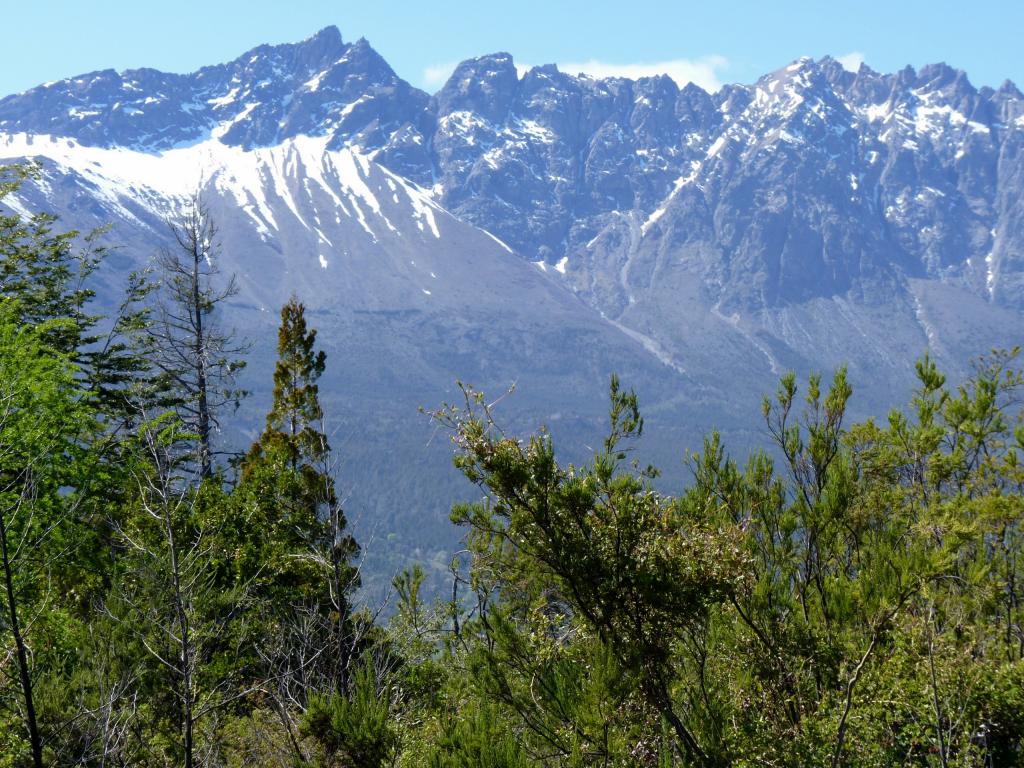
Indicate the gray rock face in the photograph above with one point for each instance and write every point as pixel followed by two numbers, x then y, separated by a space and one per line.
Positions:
pixel 813 182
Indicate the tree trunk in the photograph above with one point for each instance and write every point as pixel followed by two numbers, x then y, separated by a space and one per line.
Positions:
pixel 205 462
pixel 185 646
pixel 340 600
pixel 687 745
pixel 31 723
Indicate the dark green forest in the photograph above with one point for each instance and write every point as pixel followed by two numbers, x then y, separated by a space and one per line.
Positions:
pixel 848 596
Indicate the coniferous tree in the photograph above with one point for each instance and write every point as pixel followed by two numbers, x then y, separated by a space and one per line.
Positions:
pixel 294 440
pixel 294 420
pixel 303 556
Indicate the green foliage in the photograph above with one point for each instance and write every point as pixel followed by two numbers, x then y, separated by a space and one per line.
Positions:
pixel 43 417
pixel 588 559
pixel 353 730
pixel 48 273
pixel 859 607
pixel 478 741
pixel 286 491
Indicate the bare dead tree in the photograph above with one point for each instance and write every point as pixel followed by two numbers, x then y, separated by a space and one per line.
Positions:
pixel 309 656
pixel 164 599
pixel 198 357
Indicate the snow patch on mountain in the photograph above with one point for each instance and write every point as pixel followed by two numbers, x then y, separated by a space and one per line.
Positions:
pixel 681 182
pixel 422 202
pixel 161 181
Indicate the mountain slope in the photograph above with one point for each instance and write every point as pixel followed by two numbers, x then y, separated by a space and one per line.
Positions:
pixel 406 299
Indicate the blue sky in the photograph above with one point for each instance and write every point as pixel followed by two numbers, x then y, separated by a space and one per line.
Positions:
pixel 709 42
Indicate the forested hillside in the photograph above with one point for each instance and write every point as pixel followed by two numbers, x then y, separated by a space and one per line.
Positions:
pixel 855 600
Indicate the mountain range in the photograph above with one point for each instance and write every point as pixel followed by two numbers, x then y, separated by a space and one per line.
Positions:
pixel 548 229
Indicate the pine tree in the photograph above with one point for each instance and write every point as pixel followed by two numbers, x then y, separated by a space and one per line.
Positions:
pixel 303 552
pixel 293 423
pixel 294 437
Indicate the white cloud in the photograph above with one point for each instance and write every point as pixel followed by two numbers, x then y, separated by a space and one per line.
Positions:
pixel 851 61
pixel 703 72
pixel 438 74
